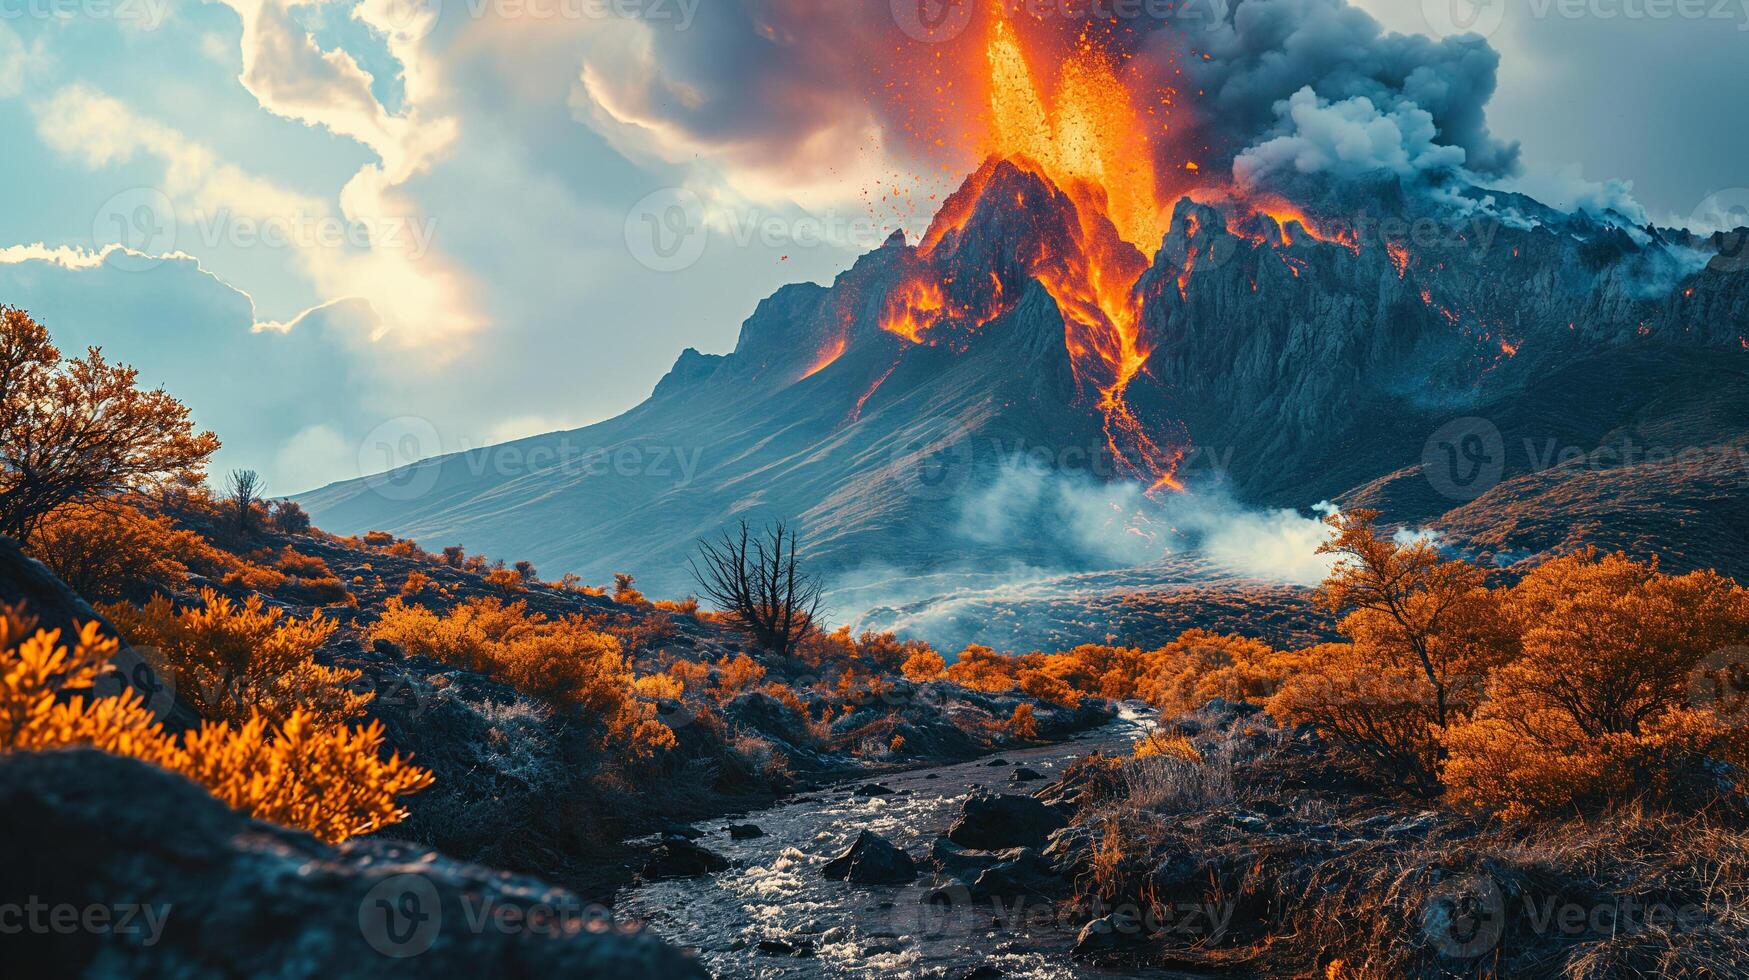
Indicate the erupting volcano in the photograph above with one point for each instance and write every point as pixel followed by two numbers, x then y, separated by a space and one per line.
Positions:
pixel 1101 298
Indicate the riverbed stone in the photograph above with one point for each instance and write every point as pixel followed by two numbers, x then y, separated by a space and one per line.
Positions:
pixel 992 822
pixel 872 860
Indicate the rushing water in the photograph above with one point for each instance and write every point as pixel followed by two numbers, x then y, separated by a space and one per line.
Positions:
pixel 776 894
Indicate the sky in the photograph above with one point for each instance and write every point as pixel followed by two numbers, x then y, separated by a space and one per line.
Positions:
pixel 351 234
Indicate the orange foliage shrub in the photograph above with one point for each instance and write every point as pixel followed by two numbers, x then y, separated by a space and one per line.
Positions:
pixel 1022 724
pixel 624 593
pixel 105 551
pixel 378 539
pixel 323 778
pixel 1043 686
pixel 738 675
pixel 1425 630
pixel 229 661
pixel 924 666
pixel 294 562
pixel 564 661
pixel 983 669
pixel 692 675
pixel 1601 703
pixel 684 607
pixel 506 580
pixel 255 578
pixel 1200 666
pixel 416 583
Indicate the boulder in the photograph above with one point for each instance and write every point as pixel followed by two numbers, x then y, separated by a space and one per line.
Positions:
pixel 1025 775
pixel 744 831
pixel 190 888
pixel 1021 872
pixel 872 860
pixel 995 822
pixel 677 857
pixel 873 789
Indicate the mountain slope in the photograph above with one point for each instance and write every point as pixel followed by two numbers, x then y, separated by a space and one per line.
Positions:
pixel 1284 362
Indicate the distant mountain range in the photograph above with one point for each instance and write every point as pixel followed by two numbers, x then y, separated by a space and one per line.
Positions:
pixel 1519 378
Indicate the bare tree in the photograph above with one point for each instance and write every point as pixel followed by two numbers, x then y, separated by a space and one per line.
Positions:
pixel 755 578
pixel 246 486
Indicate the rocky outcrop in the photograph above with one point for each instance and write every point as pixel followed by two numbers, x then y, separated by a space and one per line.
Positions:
pixel 678 857
pixel 872 860
pixel 134 871
pixel 991 822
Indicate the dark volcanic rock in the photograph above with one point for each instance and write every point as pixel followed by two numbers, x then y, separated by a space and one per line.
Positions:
pixel 1025 775
pixel 677 857
pixel 1020 872
pixel 868 790
pixel 1115 936
pixel 744 831
pixel 226 896
pixel 992 823
pixel 871 860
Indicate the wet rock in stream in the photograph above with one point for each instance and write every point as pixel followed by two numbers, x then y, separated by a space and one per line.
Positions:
pixel 872 860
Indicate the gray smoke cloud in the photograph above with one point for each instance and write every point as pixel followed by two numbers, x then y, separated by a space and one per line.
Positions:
pixel 785 85
pixel 1250 59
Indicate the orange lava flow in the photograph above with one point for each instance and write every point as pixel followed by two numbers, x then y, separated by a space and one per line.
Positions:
pixel 1091 142
pixel 829 354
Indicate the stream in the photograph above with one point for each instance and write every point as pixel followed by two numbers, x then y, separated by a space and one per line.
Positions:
pixel 775 895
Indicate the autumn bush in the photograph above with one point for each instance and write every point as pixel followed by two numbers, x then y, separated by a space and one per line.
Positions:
pixel 924 666
pixel 322 777
pixel 110 550
pixel 983 669
pixel 564 661
pixel 231 660
pixel 1601 703
pixel 1200 666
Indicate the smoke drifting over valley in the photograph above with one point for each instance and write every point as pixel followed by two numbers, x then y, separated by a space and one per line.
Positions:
pixel 1093 527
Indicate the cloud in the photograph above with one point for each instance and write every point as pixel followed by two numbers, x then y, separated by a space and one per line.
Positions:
pixel 1346 139
pixel 1567 189
pixel 1262 52
pixel 385 259
pixel 18 62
